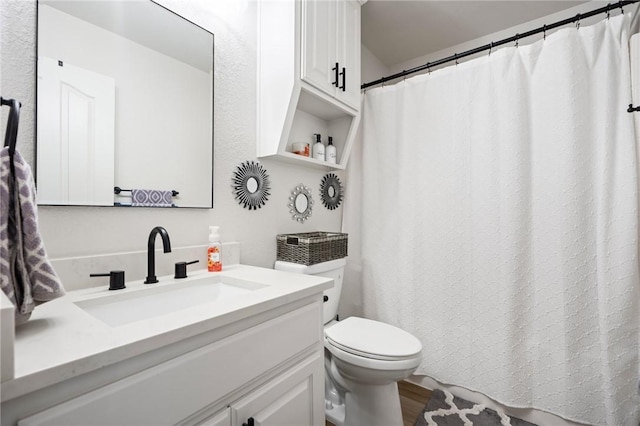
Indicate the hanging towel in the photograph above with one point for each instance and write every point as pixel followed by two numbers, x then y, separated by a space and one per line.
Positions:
pixel 26 276
pixel 151 198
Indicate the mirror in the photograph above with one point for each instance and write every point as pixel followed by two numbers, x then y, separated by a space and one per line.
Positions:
pixel 300 203
pixel 124 99
pixel 331 191
pixel 251 185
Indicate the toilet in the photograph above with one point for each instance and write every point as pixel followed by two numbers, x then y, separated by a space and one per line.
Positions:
pixel 364 359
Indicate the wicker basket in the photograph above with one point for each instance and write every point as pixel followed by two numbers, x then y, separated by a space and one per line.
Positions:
pixel 309 248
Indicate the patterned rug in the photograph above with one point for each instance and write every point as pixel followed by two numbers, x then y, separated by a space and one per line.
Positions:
pixel 444 409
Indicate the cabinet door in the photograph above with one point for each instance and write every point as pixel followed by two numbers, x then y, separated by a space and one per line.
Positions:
pixel 319 44
pixel 348 52
pixel 296 398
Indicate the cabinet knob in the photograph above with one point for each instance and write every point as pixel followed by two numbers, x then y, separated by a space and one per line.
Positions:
pixel 325 298
pixel 336 69
pixel 250 422
pixel 344 79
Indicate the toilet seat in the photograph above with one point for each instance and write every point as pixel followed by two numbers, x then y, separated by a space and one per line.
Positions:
pixel 373 340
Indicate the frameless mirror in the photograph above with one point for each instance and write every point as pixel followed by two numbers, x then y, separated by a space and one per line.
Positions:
pixel 124 99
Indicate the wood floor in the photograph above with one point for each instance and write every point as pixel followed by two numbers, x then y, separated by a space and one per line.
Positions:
pixel 413 398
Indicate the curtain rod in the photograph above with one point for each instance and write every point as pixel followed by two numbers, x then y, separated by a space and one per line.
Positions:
pixel 606 9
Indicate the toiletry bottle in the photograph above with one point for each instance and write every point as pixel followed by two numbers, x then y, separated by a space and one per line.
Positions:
pixel 318 148
pixel 330 152
pixel 214 263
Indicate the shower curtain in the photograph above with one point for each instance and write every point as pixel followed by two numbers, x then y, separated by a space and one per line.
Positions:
pixel 499 222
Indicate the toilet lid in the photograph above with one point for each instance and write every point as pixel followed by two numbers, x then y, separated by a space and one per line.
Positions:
pixel 372 339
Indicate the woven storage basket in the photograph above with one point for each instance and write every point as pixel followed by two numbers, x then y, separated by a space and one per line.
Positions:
pixel 309 248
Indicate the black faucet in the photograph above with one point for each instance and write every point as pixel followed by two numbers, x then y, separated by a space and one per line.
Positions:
pixel 151 256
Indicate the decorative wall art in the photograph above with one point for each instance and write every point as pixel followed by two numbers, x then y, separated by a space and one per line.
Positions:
pixel 331 191
pixel 251 185
pixel 300 203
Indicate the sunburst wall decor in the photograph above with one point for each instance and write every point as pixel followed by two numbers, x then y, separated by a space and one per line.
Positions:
pixel 251 185
pixel 331 191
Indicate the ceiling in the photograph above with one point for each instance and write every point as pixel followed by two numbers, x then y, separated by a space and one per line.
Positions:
pixel 398 30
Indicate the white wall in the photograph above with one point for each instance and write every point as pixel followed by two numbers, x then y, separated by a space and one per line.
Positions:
pixel 77 231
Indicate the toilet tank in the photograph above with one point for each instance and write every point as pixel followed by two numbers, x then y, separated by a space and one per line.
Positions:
pixel 332 269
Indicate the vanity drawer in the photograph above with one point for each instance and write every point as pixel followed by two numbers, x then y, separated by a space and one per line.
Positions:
pixel 173 390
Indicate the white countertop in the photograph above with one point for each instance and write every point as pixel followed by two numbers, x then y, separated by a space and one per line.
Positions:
pixel 62 341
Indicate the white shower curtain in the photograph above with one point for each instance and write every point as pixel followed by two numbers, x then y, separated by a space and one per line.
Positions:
pixel 500 223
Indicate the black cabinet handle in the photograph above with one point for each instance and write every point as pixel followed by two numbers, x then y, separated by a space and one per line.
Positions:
pixel 325 298
pixel 250 422
pixel 336 69
pixel 344 79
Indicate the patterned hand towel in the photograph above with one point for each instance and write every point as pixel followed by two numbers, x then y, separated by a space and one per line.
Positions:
pixel 26 276
pixel 151 198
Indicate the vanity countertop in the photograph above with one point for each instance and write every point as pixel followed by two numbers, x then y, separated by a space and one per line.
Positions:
pixel 62 341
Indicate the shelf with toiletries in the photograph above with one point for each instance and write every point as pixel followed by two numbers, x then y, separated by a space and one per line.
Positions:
pixel 291 106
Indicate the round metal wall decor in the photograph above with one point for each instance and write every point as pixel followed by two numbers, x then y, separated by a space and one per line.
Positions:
pixel 251 185
pixel 331 191
pixel 300 203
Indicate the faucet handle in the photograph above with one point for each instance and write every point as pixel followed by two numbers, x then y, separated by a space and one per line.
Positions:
pixel 116 279
pixel 181 268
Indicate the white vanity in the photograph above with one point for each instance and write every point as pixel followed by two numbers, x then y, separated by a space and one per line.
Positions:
pixel 239 347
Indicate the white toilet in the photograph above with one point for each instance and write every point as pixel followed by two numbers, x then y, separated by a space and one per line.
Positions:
pixel 364 359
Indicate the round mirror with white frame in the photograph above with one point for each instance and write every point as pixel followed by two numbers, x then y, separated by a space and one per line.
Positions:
pixel 300 203
pixel 251 185
pixel 331 191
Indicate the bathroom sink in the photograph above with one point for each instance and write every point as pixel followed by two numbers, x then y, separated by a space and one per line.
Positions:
pixel 158 299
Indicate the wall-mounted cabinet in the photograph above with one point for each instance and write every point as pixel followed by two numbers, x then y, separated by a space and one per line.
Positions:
pixel 331 48
pixel 308 77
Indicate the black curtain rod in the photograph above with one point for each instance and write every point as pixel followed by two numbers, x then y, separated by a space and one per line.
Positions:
pixel 606 9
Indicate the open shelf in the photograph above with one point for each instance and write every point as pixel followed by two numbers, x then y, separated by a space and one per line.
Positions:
pixel 314 113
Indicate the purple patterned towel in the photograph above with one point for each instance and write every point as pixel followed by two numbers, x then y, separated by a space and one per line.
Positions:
pixel 26 276
pixel 151 198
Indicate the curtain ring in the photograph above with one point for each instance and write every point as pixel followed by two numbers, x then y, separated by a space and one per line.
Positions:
pixel 456 58
pixel 517 39
pixel 544 32
pixel 490 48
pixel 608 11
pixel 578 21
pixel 429 68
